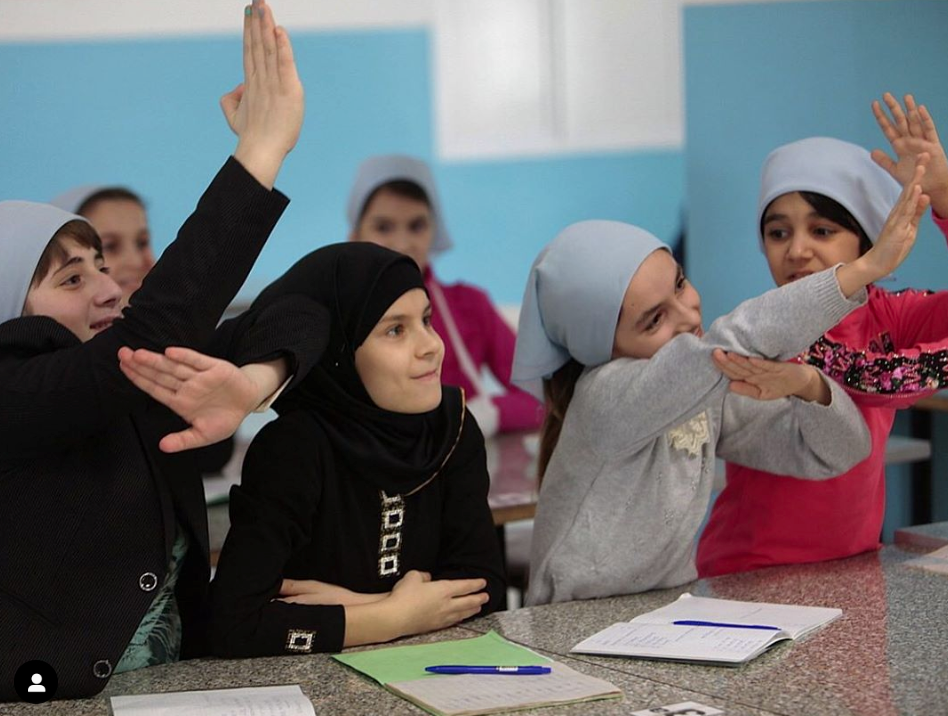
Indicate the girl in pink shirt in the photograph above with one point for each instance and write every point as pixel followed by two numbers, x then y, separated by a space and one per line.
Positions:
pixel 394 203
pixel 824 201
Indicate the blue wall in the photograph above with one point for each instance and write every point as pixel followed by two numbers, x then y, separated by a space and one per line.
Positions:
pixel 758 76
pixel 145 113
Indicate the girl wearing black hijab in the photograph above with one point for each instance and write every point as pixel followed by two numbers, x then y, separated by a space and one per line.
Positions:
pixel 362 512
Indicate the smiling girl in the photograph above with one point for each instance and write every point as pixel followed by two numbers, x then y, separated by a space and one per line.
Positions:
pixel 362 511
pixel 823 201
pixel 638 410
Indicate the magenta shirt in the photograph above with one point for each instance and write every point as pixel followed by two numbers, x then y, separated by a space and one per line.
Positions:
pixel 888 353
pixel 490 342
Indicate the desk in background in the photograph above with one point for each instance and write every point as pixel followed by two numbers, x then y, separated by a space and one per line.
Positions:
pixel 885 656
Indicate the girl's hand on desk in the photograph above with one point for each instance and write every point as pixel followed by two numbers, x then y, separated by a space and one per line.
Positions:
pixel 311 591
pixel 421 604
pixel 763 379
pixel 211 394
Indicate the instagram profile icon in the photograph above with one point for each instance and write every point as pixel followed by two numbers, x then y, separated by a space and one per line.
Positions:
pixel 35 682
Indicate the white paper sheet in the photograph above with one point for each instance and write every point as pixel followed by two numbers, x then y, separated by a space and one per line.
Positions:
pixel 252 701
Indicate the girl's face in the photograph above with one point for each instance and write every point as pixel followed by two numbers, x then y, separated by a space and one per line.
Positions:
pixel 126 241
pixel 799 242
pixel 400 361
pixel 659 304
pixel 398 223
pixel 77 293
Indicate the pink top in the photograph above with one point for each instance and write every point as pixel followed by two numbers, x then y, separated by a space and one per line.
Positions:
pixel 888 354
pixel 489 341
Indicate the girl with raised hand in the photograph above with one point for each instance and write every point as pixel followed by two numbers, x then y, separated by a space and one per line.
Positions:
pixel 823 201
pixel 637 410
pixel 362 511
pixel 394 203
pixel 103 537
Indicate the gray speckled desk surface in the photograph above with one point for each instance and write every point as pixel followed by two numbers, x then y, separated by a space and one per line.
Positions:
pixel 888 654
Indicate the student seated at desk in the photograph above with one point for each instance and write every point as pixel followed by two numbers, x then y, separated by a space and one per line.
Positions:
pixel 822 201
pixel 103 538
pixel 362 512
pixel 394 203
pixel 637 407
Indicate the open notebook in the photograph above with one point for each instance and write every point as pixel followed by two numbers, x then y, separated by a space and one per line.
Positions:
pixel 702 629
pixel 401 670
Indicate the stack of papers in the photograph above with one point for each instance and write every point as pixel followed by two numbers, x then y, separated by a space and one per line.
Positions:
pixel 702 629
pixel 401 670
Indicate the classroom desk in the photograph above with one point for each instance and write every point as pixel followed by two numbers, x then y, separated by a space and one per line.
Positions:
pixel 885 656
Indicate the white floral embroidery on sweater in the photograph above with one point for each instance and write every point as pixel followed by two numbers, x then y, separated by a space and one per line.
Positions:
pixel 690 435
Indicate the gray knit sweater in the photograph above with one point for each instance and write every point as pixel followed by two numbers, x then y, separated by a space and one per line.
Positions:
pixel 628 484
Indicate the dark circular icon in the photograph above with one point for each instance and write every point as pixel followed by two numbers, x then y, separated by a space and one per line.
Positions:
pixel 36 682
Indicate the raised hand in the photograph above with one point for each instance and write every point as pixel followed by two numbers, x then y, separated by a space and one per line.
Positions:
pixel 912 132
pixel 895 240
pixel 266 110
pixel 212 395
pixel 764 379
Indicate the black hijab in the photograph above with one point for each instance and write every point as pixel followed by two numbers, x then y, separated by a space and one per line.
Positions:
pixel 357 282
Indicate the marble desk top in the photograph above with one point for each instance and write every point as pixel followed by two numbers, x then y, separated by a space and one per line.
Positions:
pixel 887 655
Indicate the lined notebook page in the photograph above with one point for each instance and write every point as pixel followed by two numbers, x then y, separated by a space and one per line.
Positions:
pixel 252 701
pixel 470 694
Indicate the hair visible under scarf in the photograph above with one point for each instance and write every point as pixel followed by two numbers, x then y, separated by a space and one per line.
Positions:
pixel 26 228
pixel 357 283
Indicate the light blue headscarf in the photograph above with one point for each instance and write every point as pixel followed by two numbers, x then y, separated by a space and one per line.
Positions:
pixel 573 297
pixel 840 170
pixel 378 170
pixel 25 229
pixel 74 198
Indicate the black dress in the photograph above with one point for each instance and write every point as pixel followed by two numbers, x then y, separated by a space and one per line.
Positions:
pixel 340 490
pixel 89 506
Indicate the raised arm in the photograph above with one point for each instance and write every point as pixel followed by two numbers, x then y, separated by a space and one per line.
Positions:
pixel 54 398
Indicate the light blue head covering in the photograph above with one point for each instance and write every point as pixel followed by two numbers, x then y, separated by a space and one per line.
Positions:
pixel 73 199
pixel 25 229
pixel 842 171
pixel 378 170
pixel 573 297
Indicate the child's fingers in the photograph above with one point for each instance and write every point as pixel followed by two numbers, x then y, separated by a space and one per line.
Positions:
pixel 884 124
pixel 897 114
pixel 914 120
pixel 149 387
pixel 153 363
pixel 190 358
pixel 158 377
pixel 883 160
pixel 248 42
pixel 286 63
pixel 256 44
pixel 268 33
pixel 928 125
pixel 179 442
pixel 729 368
pixel 746 389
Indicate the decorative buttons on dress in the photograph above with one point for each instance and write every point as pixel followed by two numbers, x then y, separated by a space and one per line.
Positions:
pixel 300 641
pixel 102 669
pixel 390 535
pixel 148 581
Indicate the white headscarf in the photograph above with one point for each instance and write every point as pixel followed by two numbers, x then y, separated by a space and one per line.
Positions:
pixel 573 297
pixel 25 229
pixel 378 170
pixel 839 170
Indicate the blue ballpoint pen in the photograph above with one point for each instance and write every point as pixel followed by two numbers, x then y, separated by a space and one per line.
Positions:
pixel 699 622
pixel 506 670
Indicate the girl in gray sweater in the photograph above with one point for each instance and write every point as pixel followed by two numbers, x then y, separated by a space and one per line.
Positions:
pixel 611 329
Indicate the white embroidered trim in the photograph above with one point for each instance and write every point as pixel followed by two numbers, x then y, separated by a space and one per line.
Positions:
pixel 690 435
